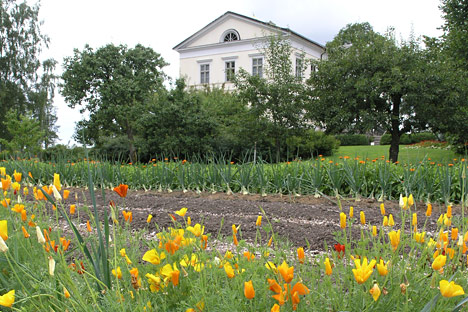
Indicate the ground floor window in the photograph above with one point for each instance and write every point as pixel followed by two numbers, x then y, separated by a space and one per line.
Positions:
pixel 205 73
pixel 230 70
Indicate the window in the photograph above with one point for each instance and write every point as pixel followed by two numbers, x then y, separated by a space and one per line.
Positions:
pixel 299 67
pixel 257 67
pixel 205 73
pixel 230 35
pixel 230 70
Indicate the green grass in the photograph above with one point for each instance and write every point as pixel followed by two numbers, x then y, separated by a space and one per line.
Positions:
pixel 407 154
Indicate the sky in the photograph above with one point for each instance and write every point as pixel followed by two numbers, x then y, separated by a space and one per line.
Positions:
pixel 161 25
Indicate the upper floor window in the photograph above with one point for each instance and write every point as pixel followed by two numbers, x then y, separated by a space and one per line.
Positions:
pixel 230 35
pixel 230 70
pixel 205 73
pixel 257 67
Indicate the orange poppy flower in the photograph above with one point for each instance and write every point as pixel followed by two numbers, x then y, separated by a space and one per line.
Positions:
pixel 121 190
pixel 128 216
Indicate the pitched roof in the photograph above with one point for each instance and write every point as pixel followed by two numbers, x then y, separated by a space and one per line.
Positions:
pixel 269 24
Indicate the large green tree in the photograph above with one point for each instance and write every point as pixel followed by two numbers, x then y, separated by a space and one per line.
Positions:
pixel 112 83
pixel 447 73
pixel 368 81
pixel 21 86
pixel 277 100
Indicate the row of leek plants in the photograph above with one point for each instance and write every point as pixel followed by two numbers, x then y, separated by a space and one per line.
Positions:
pixel 343 177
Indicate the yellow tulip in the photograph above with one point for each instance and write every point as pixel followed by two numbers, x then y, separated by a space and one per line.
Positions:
pixel 351 212
pixel 382 209
pixel 374 230
pixel 415 219
pixel 391 222
pixel 362 217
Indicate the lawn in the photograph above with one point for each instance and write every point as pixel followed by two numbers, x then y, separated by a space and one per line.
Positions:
pixel 407 154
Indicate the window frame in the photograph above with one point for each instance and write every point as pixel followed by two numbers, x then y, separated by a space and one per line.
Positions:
pixel 257 66
pixel 299 68
pixel 204 73
pixel 229 70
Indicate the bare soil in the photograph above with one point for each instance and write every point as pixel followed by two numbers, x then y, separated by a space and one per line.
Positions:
pixel 297 219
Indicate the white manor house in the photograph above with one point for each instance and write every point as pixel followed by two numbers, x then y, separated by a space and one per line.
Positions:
pixel 214 53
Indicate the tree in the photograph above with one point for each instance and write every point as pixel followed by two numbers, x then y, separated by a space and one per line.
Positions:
pixel 368 81
pixel 276 100
pixel 445 76
pixel 25 132
pixel 112 84
pixel 21 42
pixel 455 27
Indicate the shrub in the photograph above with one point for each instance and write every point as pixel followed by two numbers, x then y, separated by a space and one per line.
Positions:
pixel 406 139
pixel 353 139
pixel 312 143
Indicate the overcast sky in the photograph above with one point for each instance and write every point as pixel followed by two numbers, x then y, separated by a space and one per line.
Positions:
pixel 163 24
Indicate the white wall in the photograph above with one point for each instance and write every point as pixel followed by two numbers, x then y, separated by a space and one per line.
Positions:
pixel 207 49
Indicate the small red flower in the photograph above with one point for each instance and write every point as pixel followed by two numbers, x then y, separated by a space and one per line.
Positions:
pixel 340 249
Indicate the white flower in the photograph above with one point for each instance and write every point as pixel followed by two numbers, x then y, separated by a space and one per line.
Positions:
pixel 51 266
pixel 40 237
pixel 3 246
pixel 56 193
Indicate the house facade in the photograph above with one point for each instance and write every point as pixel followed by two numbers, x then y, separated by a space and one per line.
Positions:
pixel 212 55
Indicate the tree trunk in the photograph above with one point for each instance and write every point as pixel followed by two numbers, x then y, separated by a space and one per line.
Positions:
pixel 395 132
pixel 131 146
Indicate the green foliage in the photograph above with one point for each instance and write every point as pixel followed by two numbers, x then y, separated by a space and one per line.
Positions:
pixel 25 133
pixel 369 82
pixel 277 100
pixel 312 144
pixel 412 138
pixel 60 152
pixel 22 88
pixel 113 84
pixel 352 139
pixel 455 38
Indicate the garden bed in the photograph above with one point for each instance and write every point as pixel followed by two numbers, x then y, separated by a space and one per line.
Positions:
pixel 298 219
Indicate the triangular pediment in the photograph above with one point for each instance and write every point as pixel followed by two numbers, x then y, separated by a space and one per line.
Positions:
pixel 247 29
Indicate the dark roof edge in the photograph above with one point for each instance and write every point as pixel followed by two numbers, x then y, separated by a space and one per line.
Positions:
pixel 256 21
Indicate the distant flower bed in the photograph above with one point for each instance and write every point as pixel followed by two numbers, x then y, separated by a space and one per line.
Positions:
pixel 430 144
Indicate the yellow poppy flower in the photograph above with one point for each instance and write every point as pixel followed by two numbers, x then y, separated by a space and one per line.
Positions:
pixel 8 299
pixel 450 289
pixel 364 271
